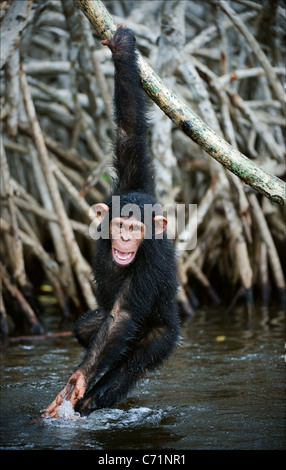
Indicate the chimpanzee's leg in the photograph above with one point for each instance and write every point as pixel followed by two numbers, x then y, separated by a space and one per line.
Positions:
pixel 89 324
pixel 147 353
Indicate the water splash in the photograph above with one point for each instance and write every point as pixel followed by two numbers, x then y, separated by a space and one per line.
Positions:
pixel 66 411
pixel 104 418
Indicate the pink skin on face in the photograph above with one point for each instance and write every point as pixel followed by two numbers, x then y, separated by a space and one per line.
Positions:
pixel 127 234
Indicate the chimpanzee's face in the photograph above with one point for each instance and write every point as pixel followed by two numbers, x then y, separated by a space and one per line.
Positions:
pixel 126 234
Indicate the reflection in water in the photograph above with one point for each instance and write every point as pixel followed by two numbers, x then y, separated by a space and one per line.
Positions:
pixel 224 388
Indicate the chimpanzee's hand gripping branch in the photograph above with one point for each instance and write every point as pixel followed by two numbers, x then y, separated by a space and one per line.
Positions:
pixel 136 325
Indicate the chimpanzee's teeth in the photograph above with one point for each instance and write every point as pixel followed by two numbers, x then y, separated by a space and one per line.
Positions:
pixel 122 257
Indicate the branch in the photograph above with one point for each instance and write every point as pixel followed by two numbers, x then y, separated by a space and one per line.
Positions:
pixel 77 260
pixel 253 175
pixel 12 27
pixel 269 70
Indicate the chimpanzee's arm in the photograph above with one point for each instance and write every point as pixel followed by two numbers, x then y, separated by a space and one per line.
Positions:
pixel 106 345
pixel 114 385
pixel 129 98
pixel 130 117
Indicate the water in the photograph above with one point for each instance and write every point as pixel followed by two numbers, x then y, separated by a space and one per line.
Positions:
pixel 224 388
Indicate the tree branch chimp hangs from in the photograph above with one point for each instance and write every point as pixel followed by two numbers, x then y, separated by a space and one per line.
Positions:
pixel 136 324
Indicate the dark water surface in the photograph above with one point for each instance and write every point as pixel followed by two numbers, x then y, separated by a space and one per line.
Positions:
pixel 224 388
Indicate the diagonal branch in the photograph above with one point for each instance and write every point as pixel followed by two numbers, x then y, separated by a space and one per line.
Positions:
pixel 253 175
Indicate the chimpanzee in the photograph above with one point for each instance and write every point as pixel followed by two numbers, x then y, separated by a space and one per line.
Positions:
pixel 136 324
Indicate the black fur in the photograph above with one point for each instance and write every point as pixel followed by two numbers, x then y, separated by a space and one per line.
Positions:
pixel 130 116
pixel 136 324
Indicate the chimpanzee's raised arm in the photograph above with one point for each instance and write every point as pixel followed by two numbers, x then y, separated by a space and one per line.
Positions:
pixel 130 116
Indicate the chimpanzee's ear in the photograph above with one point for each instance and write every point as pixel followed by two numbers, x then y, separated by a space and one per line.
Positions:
pixel 101 211
pixel 160 224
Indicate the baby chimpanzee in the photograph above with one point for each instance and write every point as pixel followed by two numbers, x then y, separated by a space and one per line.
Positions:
pixel 136 324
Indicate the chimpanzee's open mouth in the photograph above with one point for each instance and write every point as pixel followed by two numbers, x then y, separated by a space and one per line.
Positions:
pixel 123 258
